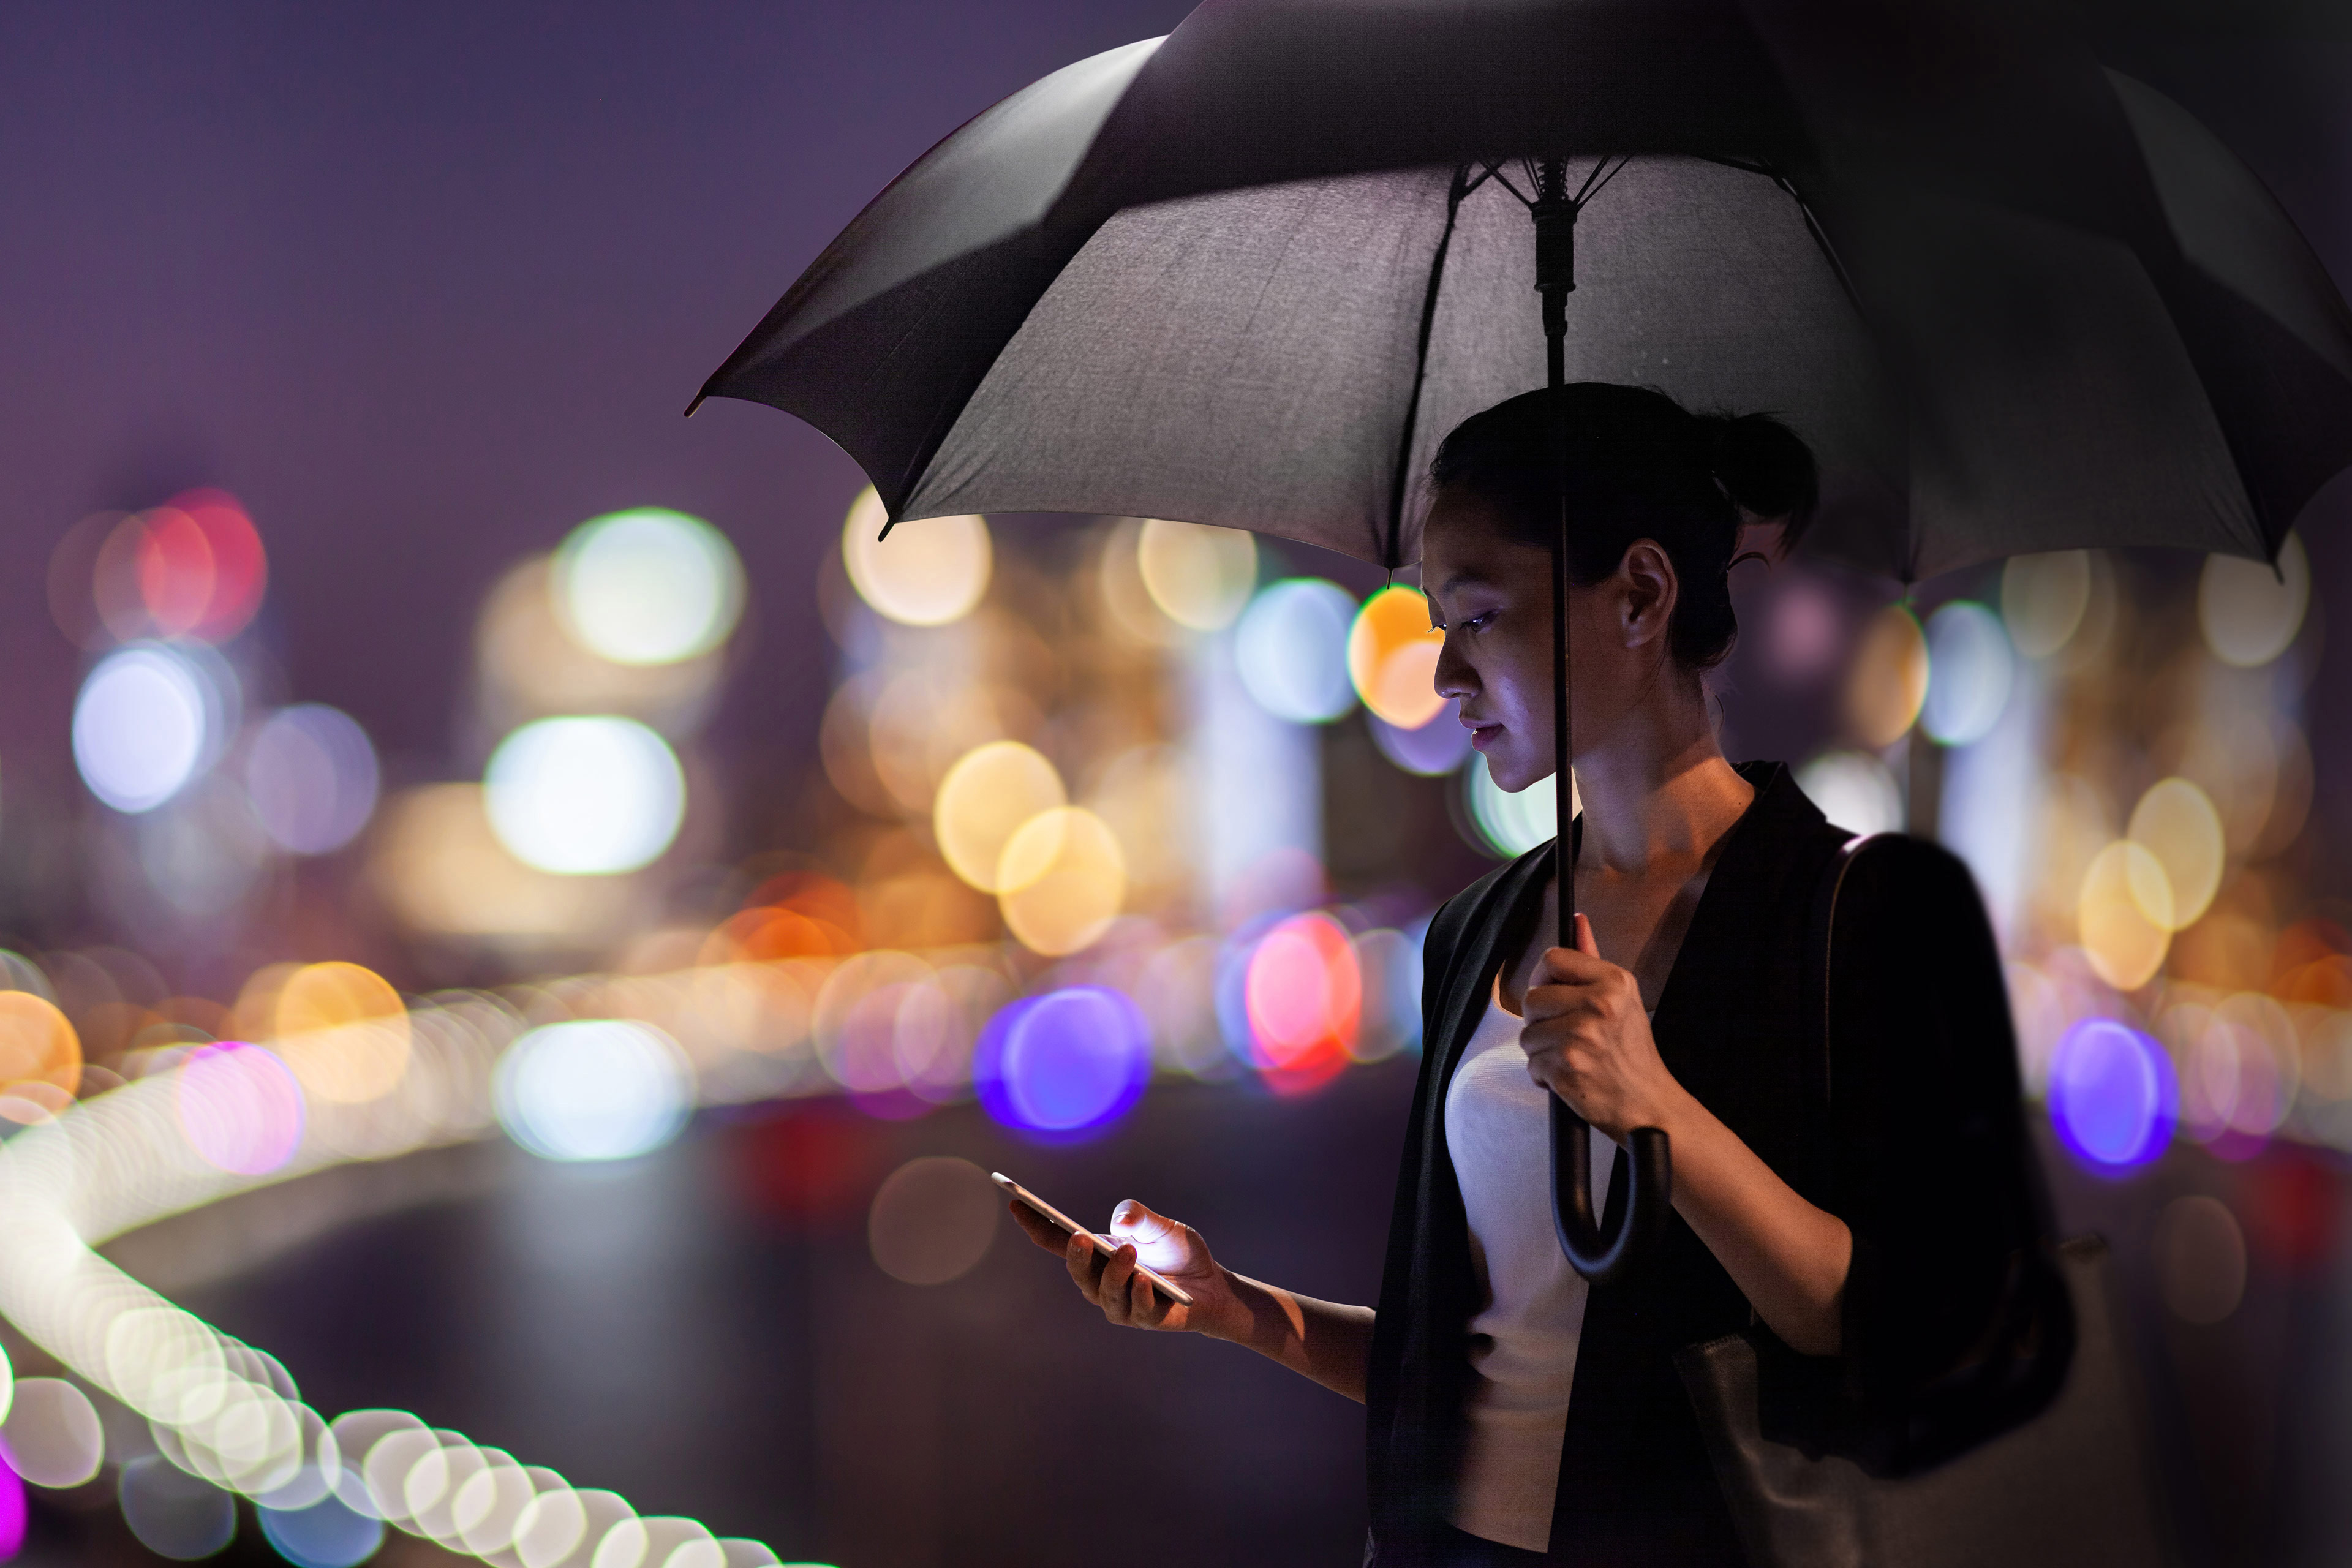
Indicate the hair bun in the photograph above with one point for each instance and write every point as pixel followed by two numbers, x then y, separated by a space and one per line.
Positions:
pixel 1765 467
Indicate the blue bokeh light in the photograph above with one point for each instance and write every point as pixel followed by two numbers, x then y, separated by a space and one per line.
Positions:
pixel 330 1533
pixel 2113 1095
pixel 1291 649
pixel 1065 1063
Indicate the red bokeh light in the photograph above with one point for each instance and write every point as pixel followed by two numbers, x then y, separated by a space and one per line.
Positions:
pixel 1304 992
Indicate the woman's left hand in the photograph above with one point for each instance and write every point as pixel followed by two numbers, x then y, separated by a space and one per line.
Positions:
pixel 1588 1041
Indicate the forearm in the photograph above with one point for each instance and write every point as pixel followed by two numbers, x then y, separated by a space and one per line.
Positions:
pixel 1789 1257
pixel 1325 1341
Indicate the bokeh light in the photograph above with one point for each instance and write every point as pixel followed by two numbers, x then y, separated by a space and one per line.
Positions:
pixel 2113 1095
pixel 343 1031
pixel 2125 943
pixel 1304 995
pixel 1854 791
pixel 38 1045
pixel 311 775
pixel 2249 612
pixel 1801 638
pixel 1292 649
pixel 53 1434
pixel 984 799
pixel 1061 880
pixel 1392 657
pixel 1066 1062
pixel 145 723
pixel 588 796
pixel 2043 599
pixel 173 1513
pixel 1511 825
pixel 13 1512
pixel 193 568
pixel 648 586
pixel 927 573
pixel 240 1108
pixel 602 1089
pixel 1972 668
pixel 2176 823
pixel 1199 576
pixel 1433 751
pixel 2200 1258
pixel 1889 680
pixel 932 1220
pixel 330 1533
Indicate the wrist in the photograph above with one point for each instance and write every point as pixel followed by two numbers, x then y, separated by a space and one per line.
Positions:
pixel 1220 1311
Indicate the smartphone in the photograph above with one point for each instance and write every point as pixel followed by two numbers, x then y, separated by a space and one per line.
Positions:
pixel 1103 1244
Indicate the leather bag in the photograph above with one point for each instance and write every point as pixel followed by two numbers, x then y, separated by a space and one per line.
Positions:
pixel 2074 1485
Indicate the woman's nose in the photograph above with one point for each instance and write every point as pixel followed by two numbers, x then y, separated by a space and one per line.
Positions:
pixel 1455 677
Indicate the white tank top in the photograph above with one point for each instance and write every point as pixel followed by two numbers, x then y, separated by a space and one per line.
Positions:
pixel 1524 1337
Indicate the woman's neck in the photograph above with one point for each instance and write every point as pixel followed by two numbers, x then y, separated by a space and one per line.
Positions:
pixel 1657 792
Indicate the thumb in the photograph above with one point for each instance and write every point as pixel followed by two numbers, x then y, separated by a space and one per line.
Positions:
pixel 1584 942
pixel 1139 1225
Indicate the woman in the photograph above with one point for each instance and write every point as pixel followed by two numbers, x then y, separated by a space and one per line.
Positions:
pixel 1885 1235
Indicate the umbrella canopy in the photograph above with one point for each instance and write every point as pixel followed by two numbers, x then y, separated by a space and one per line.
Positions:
pixel 1250 274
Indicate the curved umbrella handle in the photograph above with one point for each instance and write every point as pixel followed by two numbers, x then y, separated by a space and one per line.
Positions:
pixel 1605 1259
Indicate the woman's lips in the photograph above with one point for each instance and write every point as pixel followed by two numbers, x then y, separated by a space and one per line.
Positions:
pixel 1485 735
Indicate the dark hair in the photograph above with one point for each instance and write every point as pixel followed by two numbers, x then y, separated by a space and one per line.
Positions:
pixel 1635 464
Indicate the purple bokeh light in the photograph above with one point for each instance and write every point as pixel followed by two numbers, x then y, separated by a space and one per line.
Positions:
pixel 2113 1096
pixel 1433 751
pixel 1064 1064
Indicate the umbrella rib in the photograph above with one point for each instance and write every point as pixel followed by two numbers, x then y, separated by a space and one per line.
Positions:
pixel 1461 185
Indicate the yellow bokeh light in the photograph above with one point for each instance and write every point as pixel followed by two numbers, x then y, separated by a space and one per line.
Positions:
pixel 983 801
pixel 1199 576
pixel 1889 679
pixel 2176 823
pixel 344 1031
pixel 927 573
pixel 2124 943
pixel 922 722
pixel 37 1045
pixel 2250 612
pixel 1392 657
pixel 2042 598
pixel 1061 880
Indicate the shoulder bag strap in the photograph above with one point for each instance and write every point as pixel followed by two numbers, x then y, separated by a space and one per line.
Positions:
pixel 1819 1086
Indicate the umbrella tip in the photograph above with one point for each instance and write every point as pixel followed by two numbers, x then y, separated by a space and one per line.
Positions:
pixel 696 404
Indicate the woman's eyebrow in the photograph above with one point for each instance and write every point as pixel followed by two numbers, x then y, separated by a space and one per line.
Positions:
pixel 1468 578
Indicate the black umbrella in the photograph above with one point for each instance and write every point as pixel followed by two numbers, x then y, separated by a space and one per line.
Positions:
pixel 1248 274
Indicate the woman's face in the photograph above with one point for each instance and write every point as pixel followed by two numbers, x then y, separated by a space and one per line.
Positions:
pixel 1491 595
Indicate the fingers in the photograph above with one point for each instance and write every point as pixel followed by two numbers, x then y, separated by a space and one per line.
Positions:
pixel 1584 942
pixel 1084 1265
pixel 1040 1230
pixel 1117 1289
pixel 1574 965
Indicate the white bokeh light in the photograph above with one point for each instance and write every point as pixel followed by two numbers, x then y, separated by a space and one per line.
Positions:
pixel 1292 650
pixel 602 1089
pixel 1512 824
pixel 144 724
pixel 312 778
pixel 648 586
pixel 1854 791
pixel 1970 669
pixel 585 797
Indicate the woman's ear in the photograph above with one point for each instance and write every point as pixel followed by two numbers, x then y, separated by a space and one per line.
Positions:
pixel 1649 591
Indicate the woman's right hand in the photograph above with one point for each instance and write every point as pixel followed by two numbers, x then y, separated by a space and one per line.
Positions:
pixel 1115 1284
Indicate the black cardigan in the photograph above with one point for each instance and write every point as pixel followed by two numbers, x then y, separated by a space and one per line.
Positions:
pixel 1921 1149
